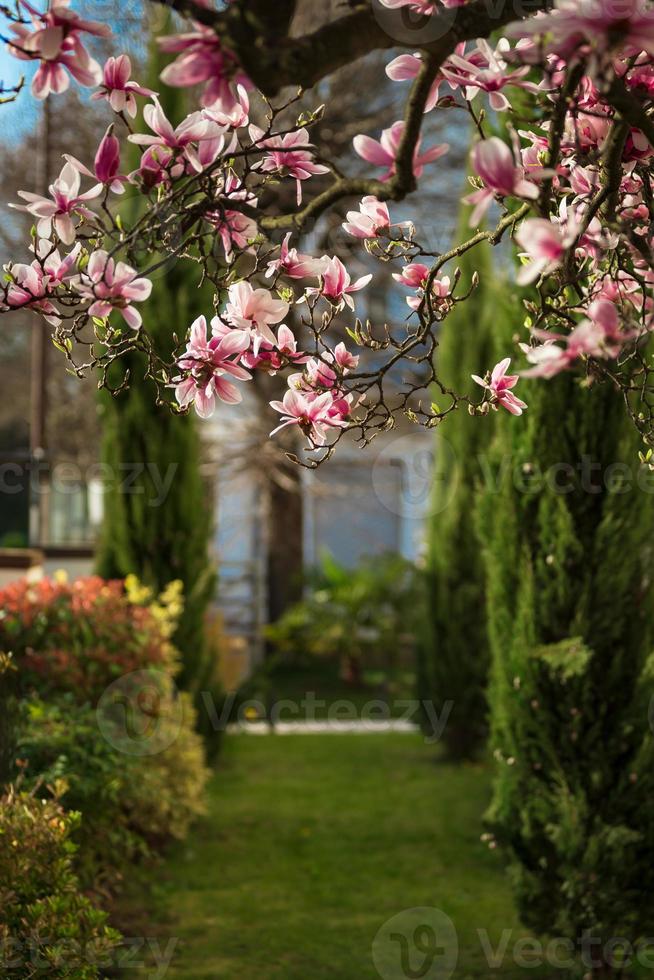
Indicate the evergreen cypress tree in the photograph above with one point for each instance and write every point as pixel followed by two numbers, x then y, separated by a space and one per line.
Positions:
pixel 569 613
pixel 158 521
pixel 453 648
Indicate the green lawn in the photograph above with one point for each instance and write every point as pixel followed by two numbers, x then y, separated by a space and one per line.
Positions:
pixel 313 842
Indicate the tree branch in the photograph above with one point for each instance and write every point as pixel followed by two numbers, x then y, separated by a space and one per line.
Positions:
pixel 403 181
pixel 612 166
pixel 274 62
pixel 630 108
pixel 346 187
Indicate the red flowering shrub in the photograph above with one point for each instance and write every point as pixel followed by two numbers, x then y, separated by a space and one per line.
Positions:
pixel 78 637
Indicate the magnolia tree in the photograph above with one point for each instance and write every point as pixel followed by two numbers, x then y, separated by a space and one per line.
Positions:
pixel 570 87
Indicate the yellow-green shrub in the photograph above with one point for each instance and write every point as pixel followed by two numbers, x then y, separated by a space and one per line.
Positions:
pixel 47 927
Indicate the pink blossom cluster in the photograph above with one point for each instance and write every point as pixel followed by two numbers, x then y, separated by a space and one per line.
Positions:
pixel 118 88
pixel 416 276
pixel 498 384
pixel 242 341
pixel 316 401
pixel 288 155
pixel 423 7
pixel 587 244
pixel 202 60
pixel 383 152
pixel 55 40
pixel 483 69
pixel 32 285
pixel 111 285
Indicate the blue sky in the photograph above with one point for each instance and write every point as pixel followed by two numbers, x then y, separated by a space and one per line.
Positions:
pixel 20 116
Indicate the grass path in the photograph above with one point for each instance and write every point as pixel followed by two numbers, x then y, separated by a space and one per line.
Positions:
pixel 312 842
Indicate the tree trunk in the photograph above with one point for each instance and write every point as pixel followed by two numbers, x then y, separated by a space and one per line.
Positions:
pixel 351 671
pixel 285 540
pixel 604 971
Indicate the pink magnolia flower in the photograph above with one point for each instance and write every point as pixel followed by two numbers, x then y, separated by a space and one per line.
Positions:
pixel 235 228
pixel 106 164
pixel 64 204
pixel 641 77
pixel 210 149
pixel 599 335
pixel 319 375
pixel 324 373
pixel 340 409
pixel 202 59
pixel 209 363
pixel 156 168
pixel 621 288
pixel 605 315
pixel 160 163
pixel 336 283
pixel 545 243
pixel 584 180
pixel 637 146
pixel 287 344
pixel 591 243
pixel 29 289
pixel 413 275
pixel 32 285
pixel 499 385
pixel 113 286
pixel 425 7
pixel 371 218
pixel 441 290
pixel 238 114
pixel 407 66
pixel 492 75
pixel 345 360
pixel 311 412
pixel 587 132
pixel 383 152
pixel 58 270
pixel 293 264
pixel 493 161
pixel 176 143
pixel 254 310
pixel 606 25
pixel 288 155
pixel 549 359
pixel 271 359
pixel 117 87
pixel 55 41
